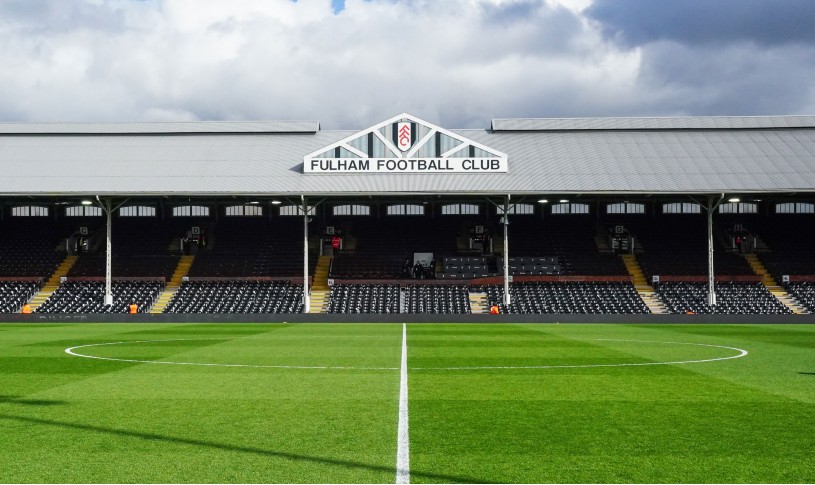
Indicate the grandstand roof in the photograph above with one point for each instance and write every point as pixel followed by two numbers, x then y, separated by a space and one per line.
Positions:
pixel 596 155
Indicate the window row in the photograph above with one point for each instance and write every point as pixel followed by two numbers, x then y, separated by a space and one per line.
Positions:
pixel 253 210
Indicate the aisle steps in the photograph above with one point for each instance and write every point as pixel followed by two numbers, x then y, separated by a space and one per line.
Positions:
pixel 52 283
pixel 646 291
pixel 172 286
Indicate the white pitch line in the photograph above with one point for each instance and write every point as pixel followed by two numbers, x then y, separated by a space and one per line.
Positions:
pixel 741 353
pixel 71 351
pixel 403 435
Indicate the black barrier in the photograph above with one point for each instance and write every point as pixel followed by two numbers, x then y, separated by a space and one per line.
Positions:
pixel 399 318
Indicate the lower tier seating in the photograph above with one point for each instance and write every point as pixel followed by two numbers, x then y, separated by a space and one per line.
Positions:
pixel 89 297
pixel 237 297
pixel 14 294
pixel 568 297
pixel 803 292
pixel 436 299
pixel 364 299
pixel 731 298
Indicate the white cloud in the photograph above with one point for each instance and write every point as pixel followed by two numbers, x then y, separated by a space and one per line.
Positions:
pixel 456 62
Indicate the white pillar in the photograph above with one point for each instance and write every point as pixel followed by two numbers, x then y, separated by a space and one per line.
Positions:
pixel 711 287
pixel 108 257
pixel 506 251
pixel 306 299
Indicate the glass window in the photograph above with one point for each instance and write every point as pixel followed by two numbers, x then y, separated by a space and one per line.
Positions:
pixel 519 209
pixel 191 211
pixel 137 211
pixel 244 210
pixel 29 211
pixel 295 210
pixel 681 208
pixel 405 210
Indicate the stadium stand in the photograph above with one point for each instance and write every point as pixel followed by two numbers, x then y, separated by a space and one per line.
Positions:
pixel 568 297
pixel 365 298
pixel 382 246
pixel 237 297
pixel 254 247
pixel 437 299
pixel 804 292
pixel 790 242
pixel 568 238
pixel 126 266
pixel 680 248
pixel 27 248
pixel 731 298
pixel 14 294
pixel 88 297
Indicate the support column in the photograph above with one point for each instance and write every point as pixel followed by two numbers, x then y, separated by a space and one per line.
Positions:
pixel 711 286
pixel 108 256
pixel 306 299
pixel 506 251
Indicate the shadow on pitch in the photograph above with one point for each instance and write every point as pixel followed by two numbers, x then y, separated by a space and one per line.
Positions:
pixel 30 402
pixel 242 449
pixel 807 373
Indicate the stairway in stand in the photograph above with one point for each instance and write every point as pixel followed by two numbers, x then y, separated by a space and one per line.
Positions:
pixel 778 291
pixel 53 282
pixel 646 291
pixel 318 301
pixel 478 303
pixel 172 286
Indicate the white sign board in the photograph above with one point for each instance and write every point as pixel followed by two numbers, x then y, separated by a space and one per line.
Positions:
pixel 411 165
pixel 405 144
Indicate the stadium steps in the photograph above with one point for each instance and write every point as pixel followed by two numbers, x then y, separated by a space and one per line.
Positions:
pixel 318 301
pixel 778 291
pixel 53 282
pixel 478 302
pixel 170 290
pixel 321 274
pixel 758 268
pixel 646 291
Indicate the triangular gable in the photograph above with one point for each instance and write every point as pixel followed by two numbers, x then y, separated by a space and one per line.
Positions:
pixel 405 144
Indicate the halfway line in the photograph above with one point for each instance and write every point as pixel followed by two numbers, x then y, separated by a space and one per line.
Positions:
pixel 403 437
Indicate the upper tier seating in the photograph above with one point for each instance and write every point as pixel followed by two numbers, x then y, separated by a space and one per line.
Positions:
pixel 246 247
pixel 568 297
pixel 126 265
pixel 569 238
pixel 89 297
pixel 237 297
pixel 437 299
pixel 732 298
pixel 14 294
pixel 27 248
pixel 382 245
pixel 364 299
pixel 791 240
pixel 680 247
pixel 804 292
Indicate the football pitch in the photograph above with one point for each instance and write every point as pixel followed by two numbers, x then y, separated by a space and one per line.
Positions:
pixel 425 403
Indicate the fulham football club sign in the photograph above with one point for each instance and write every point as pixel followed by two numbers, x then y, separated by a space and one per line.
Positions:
pixel 405 144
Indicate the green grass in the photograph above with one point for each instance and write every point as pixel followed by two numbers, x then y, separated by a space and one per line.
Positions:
pixel 70 419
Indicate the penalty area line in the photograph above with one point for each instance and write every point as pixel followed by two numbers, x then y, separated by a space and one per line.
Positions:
pixel 403 435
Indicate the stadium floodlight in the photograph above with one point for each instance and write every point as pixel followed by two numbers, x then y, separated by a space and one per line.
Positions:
pixel 543 201
pixel 563 201
pixel 254 202
pixel 86 202
pixel 276 202
pixel 734 199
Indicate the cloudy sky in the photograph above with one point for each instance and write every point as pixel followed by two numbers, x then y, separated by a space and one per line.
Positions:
pixel 352 63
